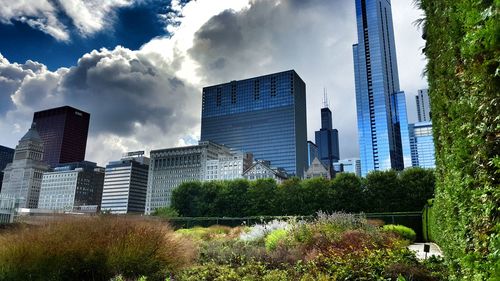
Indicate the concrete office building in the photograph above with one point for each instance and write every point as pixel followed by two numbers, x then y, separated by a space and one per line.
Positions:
pixel 265 115
pixel 349 165
pixel 23 177
pixel 64 132
pixel 6 157
pixel 378 97
pixel 262 169
pixel 72 187
pixel 423 105
pixel 228 167
pixel 170 167
pixel 422 145
pixel 125 184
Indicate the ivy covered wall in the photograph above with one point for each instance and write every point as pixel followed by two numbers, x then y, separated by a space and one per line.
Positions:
pixel 463 51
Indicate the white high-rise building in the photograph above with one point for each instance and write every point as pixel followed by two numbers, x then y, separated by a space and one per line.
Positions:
pixel 172 166
pixel 72 187
pixel 423 106
pixel 228 167
pixel 23 177
pixel 125 184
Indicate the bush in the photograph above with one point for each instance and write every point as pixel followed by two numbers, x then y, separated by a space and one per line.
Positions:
pixel 274 238
pixel 166 212
pixel 462 47
pixel 401 230
pixel 92 248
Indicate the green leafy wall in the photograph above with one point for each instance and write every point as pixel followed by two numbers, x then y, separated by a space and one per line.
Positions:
pixel 463 50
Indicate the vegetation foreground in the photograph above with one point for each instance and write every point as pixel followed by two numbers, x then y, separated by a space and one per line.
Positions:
pixel 332 247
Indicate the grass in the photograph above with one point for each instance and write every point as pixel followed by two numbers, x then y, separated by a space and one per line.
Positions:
pixel 93 248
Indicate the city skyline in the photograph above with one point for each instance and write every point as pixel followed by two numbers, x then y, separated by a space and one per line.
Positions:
pixel 125 115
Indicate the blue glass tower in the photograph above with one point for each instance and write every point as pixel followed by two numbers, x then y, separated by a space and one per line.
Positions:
pixel 377 87
pixel 327 139
pixel 264 115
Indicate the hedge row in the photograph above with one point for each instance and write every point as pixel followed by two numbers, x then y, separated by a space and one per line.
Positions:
pixel 463 51
pixel 386 191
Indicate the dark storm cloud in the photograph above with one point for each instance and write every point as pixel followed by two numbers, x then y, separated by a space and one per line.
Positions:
pixel 127 94
pixel 312 37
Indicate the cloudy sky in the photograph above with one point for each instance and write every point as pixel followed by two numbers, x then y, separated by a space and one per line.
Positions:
pixel 138 66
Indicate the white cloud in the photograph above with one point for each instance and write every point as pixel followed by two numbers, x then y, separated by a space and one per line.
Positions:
pixel 88 16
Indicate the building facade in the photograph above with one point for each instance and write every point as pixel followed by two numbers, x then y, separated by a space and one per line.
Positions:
pixel 6 157
pixel 125 184
pixel 318 170
pixel 422 145
pixel 327 140
pixel 228 167
pixel 72 187
pixel 23 177
pixel 348 165
pixel 170 167
pixel 377 85
pixel 423 105
pixel 312 152
pixel 264 115
pixel 64 132
pixel 262 170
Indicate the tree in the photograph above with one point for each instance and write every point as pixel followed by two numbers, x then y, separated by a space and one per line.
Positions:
pixel 232 200
pixel 165 212
pixel 291 198
pixel 348 193
pixel 186 198
pixel 318 196
pixel 417 186
pixel 383 192
pixel 262 198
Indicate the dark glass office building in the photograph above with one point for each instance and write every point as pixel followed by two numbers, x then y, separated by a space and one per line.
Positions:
pixel 327 140
pixel 377 89
pixel 6 157
pixel 64 132
pixel 264 115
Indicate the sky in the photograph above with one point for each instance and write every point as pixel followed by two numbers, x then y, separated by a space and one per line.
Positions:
pixel 138 66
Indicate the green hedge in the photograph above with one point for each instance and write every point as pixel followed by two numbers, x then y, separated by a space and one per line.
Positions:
pixel 463 70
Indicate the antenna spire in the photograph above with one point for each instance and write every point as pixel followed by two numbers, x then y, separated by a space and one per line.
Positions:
pixel 325 98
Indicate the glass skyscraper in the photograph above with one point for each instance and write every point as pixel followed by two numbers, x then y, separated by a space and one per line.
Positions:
pixel 264 115
pixel 422 145
pixel 327 140
pixel 381 141
pixel 64 132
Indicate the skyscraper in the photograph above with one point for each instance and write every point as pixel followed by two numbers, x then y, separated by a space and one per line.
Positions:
pixel 377 85
pixel 170 167
pixel 264 115
pixel 423 106
pixel 125 184
pixel 72 187
pixel 23 177
pixel 6 157
pixel 327 139
pixel 64 132
pixel 422 145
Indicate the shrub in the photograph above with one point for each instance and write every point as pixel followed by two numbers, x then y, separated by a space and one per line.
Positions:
pixel 401 230
pixel 92 248
pixel 259 231
pixel 166 212
pixel 274 238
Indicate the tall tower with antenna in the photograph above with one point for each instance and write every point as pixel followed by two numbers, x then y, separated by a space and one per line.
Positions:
pixel 327 138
